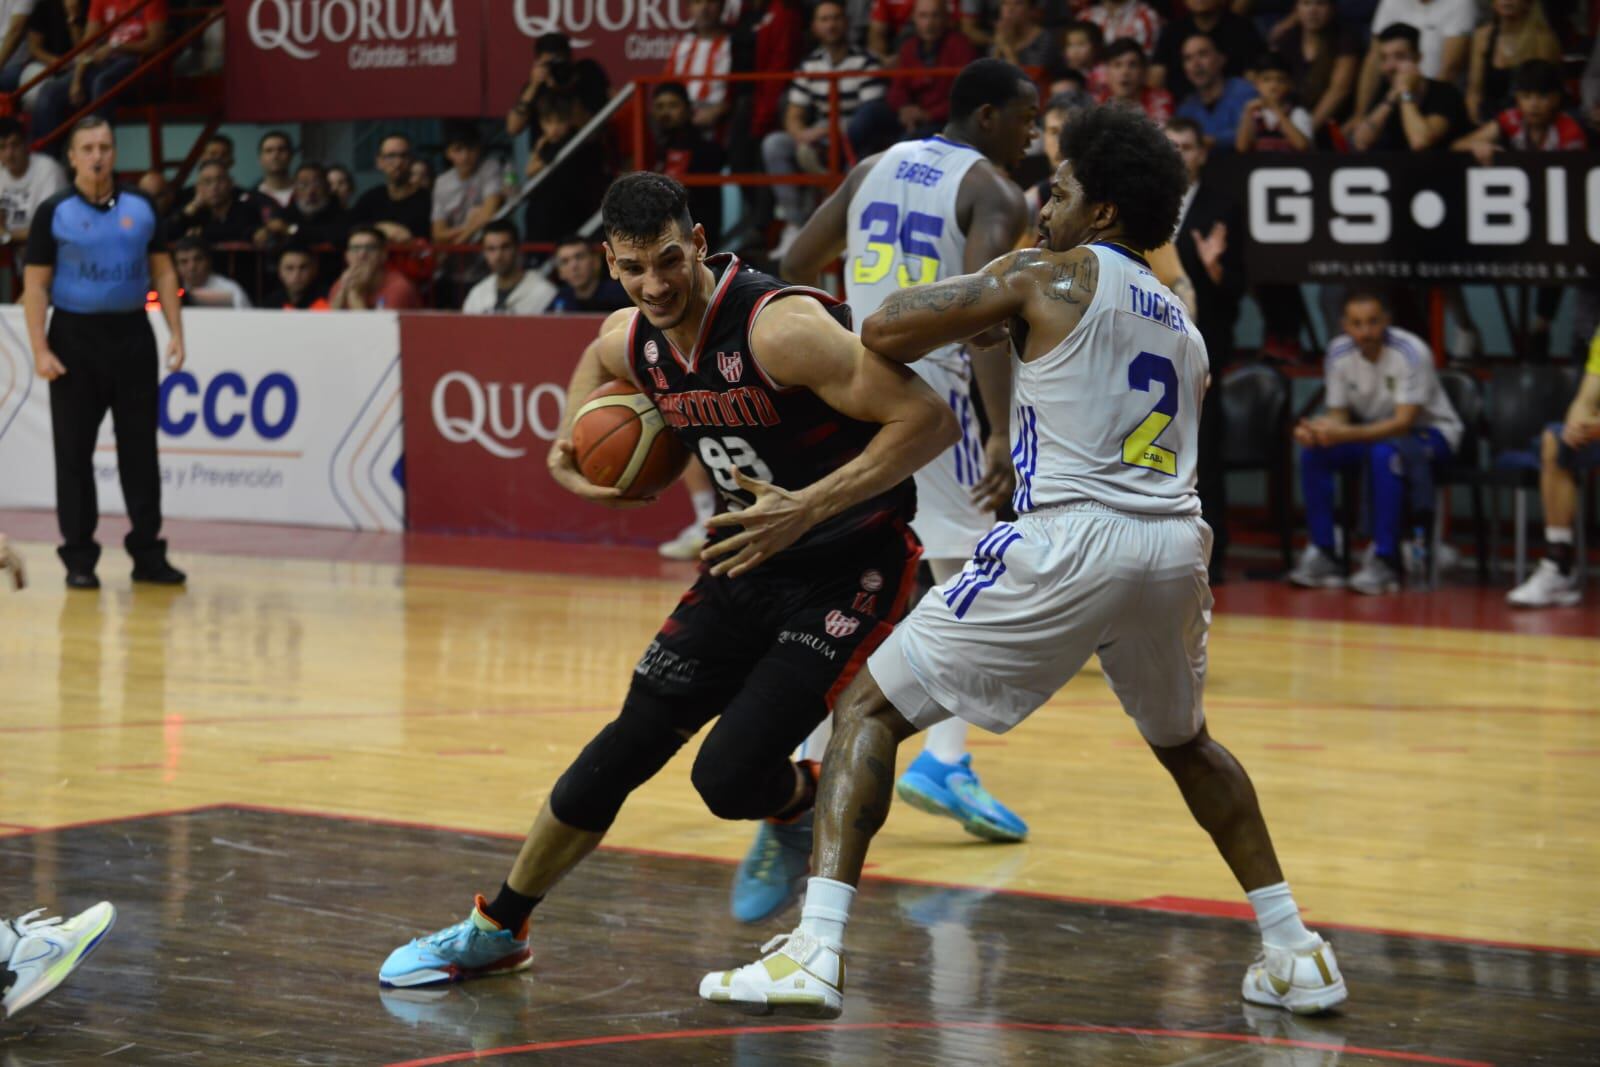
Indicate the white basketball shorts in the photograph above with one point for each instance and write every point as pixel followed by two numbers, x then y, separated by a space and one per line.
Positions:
pixel 1038 598
pixel 948 523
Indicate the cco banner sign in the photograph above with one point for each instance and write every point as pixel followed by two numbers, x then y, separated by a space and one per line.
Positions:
pixel 1421 218
pixel 484 398
pixel 296 60
pixel 286 418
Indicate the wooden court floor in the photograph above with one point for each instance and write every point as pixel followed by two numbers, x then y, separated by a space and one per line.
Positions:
pixel 295 764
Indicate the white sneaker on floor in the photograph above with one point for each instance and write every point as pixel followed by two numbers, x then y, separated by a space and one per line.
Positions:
pixel 1304 980
pixel 797 974
pixel 1375 578
pixel 45 951
pixel 1316 570
pixel 1546 587
pixel 686 545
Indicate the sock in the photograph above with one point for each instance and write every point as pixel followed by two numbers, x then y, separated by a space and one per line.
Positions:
pixel 705 505
pixel 826 910
pixel 1279 917
pixel 510 909
pixel 947 741
pixel 1558 546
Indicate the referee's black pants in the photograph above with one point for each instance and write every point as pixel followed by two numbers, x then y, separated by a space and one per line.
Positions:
pixel 111 363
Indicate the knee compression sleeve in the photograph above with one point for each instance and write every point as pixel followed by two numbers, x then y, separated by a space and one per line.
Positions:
pixel 621 758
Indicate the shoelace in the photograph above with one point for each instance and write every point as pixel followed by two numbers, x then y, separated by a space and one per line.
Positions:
pixel 796 943
pixel 448 934
pixel 25 924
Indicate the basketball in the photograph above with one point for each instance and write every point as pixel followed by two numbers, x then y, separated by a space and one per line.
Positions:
pixel 621 441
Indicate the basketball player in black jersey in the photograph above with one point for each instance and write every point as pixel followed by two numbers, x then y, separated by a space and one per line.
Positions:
pixel 812 441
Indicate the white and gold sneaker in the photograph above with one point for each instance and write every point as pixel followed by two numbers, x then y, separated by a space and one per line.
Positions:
pixel 797 974
pixel 1304 980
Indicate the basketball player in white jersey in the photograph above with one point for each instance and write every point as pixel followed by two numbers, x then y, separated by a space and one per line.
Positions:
pixel 1107 557
pixel 921 211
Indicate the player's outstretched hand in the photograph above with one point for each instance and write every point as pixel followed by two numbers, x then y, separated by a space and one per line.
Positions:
pixel 773 523
pixel 563 465
pixel 999 476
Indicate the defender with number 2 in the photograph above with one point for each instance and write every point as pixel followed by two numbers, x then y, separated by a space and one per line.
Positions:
pixel 1107 558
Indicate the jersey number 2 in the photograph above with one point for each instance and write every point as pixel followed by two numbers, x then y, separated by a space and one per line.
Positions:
pixel 916 235
pixel 1139 448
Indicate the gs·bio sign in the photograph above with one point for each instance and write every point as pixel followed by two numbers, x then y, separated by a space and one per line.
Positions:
pixel 1422 217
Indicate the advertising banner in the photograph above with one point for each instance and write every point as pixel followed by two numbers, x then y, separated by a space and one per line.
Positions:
pixel 1418 218
pixel 484 397
pixel 303 60
pixel 626 37
pixel 277 417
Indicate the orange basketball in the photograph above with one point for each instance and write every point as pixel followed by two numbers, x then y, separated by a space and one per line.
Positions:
pixel 621 440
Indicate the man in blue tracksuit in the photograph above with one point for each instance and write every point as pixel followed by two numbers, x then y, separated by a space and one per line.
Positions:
pixel 1386 411
pixel 94 253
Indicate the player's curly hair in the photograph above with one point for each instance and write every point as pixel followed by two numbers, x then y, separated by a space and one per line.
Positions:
pixel 1121 157
pixel 639 207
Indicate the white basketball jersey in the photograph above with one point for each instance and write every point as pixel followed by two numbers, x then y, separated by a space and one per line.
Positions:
pixel 903 230
pixel 1112 413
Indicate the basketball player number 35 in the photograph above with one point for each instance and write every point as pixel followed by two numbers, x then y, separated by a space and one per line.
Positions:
pixel 916 235
pixel 1139 448
pixel 724 456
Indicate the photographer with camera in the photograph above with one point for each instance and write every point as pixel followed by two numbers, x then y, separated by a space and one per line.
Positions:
pixel 554 70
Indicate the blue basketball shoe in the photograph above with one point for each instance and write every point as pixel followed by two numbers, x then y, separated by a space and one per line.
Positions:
pixel 473 948
pixel 953 789
pixel 773 872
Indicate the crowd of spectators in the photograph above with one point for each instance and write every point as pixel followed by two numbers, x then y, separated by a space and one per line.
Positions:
pixel 1230 75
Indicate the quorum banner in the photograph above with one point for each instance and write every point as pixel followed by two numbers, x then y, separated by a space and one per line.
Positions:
pixel 306 60
pixel 1417 218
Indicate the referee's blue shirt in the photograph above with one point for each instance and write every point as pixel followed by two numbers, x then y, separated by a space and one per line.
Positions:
pixel 100 252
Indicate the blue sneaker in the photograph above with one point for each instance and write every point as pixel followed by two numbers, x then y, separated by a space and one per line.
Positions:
pixel 472 948
pixel 774 871
pixel 953 789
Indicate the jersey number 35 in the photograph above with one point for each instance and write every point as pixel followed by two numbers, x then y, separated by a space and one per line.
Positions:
pixel 915 234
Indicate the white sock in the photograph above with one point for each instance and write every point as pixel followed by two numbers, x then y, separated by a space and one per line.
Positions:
pixel 705 505
pixel 1279 917
pixel 826 910
pixel 814 746
pixel 947 741
pixel 1558 535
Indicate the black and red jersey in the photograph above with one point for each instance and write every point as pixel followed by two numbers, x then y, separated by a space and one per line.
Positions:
pixel 729 412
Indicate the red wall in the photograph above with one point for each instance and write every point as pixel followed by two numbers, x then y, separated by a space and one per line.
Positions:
pixel 475 452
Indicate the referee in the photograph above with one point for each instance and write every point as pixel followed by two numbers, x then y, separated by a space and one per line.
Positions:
pixel 93 251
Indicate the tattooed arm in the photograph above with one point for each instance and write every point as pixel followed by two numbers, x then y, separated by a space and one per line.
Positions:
pixel 1051 291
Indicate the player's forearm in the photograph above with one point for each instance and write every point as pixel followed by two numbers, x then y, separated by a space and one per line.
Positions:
pixel 590 374
pixel 35 302
pixel 913 322
pixel 896 452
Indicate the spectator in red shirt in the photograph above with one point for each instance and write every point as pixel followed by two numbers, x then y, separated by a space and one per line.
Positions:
pixel 368 282
pixel 1127 72
pixel 699 55
pixel 1127 18
pixel 891 21
pixel 916 106
pixel 1537 123
pixel 102 67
